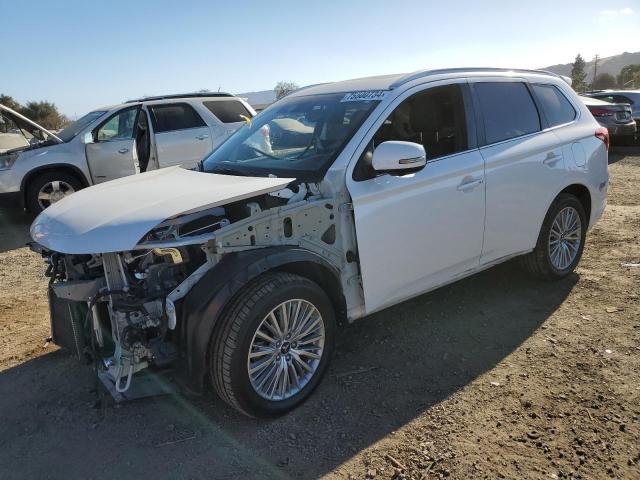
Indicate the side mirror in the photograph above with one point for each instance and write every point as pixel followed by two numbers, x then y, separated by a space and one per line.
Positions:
pixel 397 155
pixel 87 138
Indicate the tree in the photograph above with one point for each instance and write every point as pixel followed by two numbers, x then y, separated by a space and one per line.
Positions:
pixel 45 114
pixel 629 76
pixel 8 101
pixel 283 88
pixel 604 81
pixel 578 74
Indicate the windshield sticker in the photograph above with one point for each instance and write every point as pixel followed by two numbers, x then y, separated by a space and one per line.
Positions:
pixel 365 96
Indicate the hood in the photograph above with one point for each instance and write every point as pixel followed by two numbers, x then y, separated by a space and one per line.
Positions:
pixel 21 120
pixel 114 216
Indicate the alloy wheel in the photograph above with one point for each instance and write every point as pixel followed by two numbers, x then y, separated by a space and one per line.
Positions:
pixel 286 350
pixel 565 236
pixel 53 192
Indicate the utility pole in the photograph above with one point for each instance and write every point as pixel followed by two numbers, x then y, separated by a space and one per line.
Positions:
pixel 595 70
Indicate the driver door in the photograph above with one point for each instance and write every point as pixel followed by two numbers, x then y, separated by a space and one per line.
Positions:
pixel 112 154
pixel 417 231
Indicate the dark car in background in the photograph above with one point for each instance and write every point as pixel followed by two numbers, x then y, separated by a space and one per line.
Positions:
pixel 617 117
pixel 628 97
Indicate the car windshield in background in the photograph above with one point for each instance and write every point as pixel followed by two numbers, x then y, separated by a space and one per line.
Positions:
pixel 76 127
pixel 296 137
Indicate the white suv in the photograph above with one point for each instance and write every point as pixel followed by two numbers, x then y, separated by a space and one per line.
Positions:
pixel 373 191
pixel 38 168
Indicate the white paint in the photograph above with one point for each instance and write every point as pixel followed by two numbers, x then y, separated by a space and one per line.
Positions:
pixel 114 216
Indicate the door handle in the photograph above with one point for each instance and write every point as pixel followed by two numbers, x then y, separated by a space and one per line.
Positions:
pixel 551 159
pixel 202 137
pixel 469 185
pixel 123 150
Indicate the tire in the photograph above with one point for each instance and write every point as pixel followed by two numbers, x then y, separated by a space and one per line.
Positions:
pixel 67 183
pixel 539 262
pixel 235 336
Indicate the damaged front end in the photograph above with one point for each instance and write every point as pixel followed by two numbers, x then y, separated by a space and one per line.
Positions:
pixel 122 310
pixel 112 308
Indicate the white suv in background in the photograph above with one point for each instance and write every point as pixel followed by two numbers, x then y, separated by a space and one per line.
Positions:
pixel 373 191
pixel 111 142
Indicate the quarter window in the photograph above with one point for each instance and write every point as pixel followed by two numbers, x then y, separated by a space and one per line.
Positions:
pixel 118 127
pixel 507 109
pixel 555 105
pixel 228 111
pixel 175 116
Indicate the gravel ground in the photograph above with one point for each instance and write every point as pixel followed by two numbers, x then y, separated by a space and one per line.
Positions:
pixel 496 376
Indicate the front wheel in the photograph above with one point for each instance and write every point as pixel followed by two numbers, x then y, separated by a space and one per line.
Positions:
pixel 49 188
pixel 272 345
pixel 561 240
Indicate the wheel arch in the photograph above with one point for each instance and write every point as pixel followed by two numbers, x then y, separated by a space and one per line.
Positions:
pixel 207 300
pixel 581 192
pixel 61 167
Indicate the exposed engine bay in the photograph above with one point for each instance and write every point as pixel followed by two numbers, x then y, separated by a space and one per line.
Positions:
pixel 121 310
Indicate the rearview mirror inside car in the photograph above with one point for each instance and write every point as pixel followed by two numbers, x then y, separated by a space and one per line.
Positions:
pixel 397 155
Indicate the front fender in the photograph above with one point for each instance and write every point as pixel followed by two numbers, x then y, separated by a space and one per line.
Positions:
pixel 205 302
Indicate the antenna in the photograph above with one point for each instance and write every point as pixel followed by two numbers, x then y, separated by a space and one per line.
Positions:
pixel 595 70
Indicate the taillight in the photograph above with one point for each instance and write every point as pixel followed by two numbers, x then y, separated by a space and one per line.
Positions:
pixel 603 134
pixel 601 112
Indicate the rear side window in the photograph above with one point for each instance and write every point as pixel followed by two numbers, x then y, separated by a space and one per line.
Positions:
pixel 622 99
pixel 175 116
pixel 555 105
pixel 507 109
pixel 614 99
pixel 228 111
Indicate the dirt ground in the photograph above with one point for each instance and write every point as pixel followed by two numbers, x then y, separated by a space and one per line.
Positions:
pixel 496 376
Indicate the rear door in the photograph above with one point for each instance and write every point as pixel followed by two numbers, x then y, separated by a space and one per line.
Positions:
pixel 419 230
pixel 231 113
pixel 112 153
pixel 181 135
pixel 524 165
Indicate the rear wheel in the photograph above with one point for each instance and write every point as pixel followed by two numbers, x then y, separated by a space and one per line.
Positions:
pixel 272 345
pixel 561 240
pixel 49 188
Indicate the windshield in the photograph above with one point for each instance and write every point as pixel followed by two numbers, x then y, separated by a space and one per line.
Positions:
pixel 76 127
pixel 296 137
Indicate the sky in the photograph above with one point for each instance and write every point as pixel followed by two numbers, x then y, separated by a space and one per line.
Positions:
pixel 83 54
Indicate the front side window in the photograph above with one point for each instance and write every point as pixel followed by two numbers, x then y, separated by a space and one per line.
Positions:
pixel 507 109
pixel 228 111
pixel 175 116
pixel 118 127
pixel 296 137
pixel 557 109
pixel 434 118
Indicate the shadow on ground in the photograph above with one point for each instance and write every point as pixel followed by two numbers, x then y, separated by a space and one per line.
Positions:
pixel 14 229
pixel 409 358
pixel 618 152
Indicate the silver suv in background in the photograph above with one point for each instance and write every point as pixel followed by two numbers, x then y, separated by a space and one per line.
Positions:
pixel 38 167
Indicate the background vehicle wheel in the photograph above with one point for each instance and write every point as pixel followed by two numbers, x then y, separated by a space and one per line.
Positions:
pixel 50 187
pixel 272 345
pixel 560 241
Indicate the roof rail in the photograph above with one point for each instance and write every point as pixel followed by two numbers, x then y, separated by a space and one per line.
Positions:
pixel 180 95
pixel 425 73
